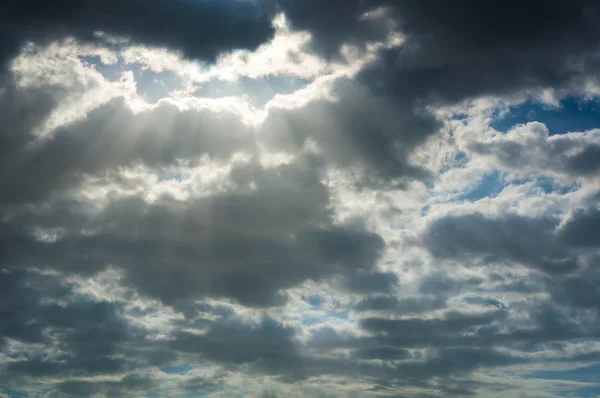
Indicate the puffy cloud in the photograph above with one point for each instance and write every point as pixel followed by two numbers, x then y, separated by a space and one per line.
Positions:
pixel 529 148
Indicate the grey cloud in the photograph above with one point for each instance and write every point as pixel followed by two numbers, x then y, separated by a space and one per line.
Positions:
pixel 383 353
pixel 20 297
pixel 269 345
pixel 81 337
pixel 358 129
pixel 582 229
pixel 445 348
pixel 89 334
pixel 433 292
pixel 451 361
pixel 418 332
pixel 512 238
pixel 273 228
pixel 452 51
pixel 404 306
pixel 371 282
pixel 441 284
pixel 455 345
pixel 457 49
pixel 129 386
pixel 333 26
pixel 67 336
pixel 248 244
pixel 459 343
pixel 110 137
pixel 586 161
pixel 408 333
pixel 198 29
pixel 579 290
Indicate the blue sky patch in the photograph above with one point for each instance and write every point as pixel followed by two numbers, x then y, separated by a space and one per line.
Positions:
pixel 573 115
pixel 547 185
pixel 490 185
pixel 459 160
pixel 314 319
pixel 315 301
pixel 171 176
pixel 110 72
pixel 152 86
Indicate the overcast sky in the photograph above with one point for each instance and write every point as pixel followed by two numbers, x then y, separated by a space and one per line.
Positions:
pixel 300 198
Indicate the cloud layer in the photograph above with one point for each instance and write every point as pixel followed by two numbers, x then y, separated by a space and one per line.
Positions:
pixel 287 198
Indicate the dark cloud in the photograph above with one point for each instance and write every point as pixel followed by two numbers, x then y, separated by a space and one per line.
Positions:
pixel 581 229
pixel 20 298
pixel 457 49
pixel 268 345
pixel 586 161
pixel 441 284
pixel 80 337
pixel 338 24
pixel 89 335
pixel 513 238
pixel 199 29
pixel 130 385
pixel 432 294
pixel 248 244
pixel 371 282
pixel 459 343
pixel 406 306
pixel 416 351
pixel 391 353
pixel 452 51
pixel 418 332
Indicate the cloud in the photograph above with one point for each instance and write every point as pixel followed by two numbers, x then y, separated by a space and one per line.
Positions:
pixel 577 230
pixel 112 137
pixel 19 302
pixel 529 148
pixel 450 55
pixel 269 345
pixel 365 282
pixel 518 239
pixel 436 45
pixel 130 385
pixel 270 232
pixel 67 335
pixel 200 29
pixel 350 224
pixel 356 130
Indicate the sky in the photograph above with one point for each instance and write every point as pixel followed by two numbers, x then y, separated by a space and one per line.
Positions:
pixel 300 198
